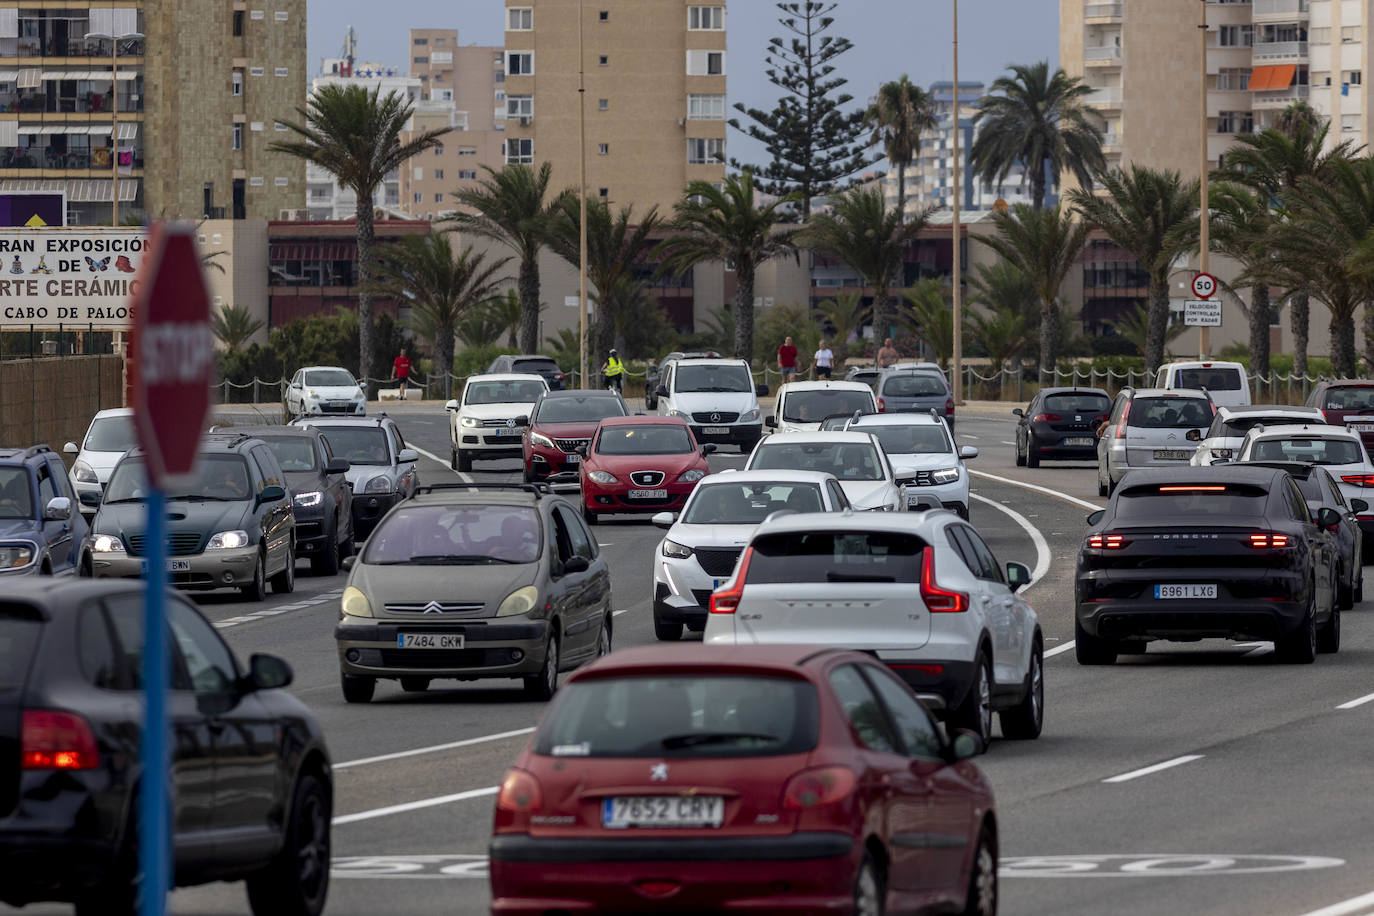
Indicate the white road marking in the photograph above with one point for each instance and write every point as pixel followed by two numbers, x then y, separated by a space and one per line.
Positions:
pixel 1353 905
pixel 965 436
pixel 432 749
pixel 1154 768
pixel 436 459
pixel 321 598
pixel 1264 648
pixel 415 805
pixel 1367 698
pixel 618 613
pixel 1059 650
pixel 1042 547
pixel 1005 442
pixel 1038 489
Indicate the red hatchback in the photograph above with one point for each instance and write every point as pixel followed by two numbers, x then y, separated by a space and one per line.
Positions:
pixel 560 424
pixel 761 779
pixel 640 464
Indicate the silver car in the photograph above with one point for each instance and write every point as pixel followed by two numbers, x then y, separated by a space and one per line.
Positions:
pixel 1150 427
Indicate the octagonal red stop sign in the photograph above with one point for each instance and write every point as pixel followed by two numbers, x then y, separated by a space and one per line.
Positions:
pixel 173 354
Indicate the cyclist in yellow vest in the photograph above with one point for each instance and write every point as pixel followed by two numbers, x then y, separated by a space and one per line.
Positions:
pixel 613 370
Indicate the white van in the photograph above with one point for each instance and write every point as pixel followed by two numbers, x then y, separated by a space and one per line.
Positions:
pixel 1226 383
pixel 717 398
pixel 802 406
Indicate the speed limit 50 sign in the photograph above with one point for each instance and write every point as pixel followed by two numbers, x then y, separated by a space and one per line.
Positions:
pixel 1204 285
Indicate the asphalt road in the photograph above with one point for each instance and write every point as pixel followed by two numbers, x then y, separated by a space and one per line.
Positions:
pixel 1197 778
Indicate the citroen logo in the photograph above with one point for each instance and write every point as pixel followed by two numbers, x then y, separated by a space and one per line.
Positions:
pixel 658 772
pixel 715 418
pixel 433 607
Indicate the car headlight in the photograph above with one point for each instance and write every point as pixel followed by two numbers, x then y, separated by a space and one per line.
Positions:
pixel 227 540
pixel 520 601
pixel 311 393
pixel 470 422
pixel 541 440
pixel 16 556
pixel 601 477
pixel 680 413
pixel 944 475
pixel 106 543
pixel 354 603
pixel 378 484
pixel 749 415
pixel 691 476
pixel 84 473
pixel 305 500
pixel 675 550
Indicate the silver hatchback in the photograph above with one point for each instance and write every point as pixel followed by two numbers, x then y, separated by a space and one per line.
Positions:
pixel 1150 427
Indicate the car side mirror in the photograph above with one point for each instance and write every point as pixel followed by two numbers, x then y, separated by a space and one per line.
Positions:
pixel 661 391
pixel 1017 412
pixel 347 563
pixel 362 385
pixel 1018 576
pixel 576 565
pixel 71 449
pixel 407 455
pixel 664 519
pixel 450 405
pixel 267 672
pixel 1328 519
pixel 965 745
pixel 770 422
pixel 1216 461
pixel 337 466
pixel 271 494
pixel 708 449
pixel 1193 435
pixel 1358 505
pixel 58 509
pixel 1095 517
pixel 968 451
pixel 760 391
pixel 89 498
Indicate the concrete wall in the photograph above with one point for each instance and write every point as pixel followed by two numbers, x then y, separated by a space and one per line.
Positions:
pixel 30 414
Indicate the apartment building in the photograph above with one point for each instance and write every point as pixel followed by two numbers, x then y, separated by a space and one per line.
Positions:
pixel 655 73
pixel 1337 43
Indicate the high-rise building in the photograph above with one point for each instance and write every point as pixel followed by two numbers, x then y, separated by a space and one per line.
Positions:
pixel 655 73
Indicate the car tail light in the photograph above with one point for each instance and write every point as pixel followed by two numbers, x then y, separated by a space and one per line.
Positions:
pixel 53 740
pixel 929 670
pixel 882 406
pixel 1359 480
pixel 1267 539
pixel 949 407
pixel 1046 418
pixel 938 600
pixel 725 602
pixel 519 793
pixel 820 786
pixel 1107 541
pixel 1121 424
pixel 1210 488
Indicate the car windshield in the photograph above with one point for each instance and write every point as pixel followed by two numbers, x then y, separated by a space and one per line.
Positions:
pixel 1313 450
pixel 925 439
pixel 467 535
pixel 916 385
pixel 1077 403
pixel 16 495
pixel 294 453
pixel 1169 413
pixel 660 439
pixel 846 460
pixel 1349 397
pixel 697 715
pixel 1212 379
pixel 1184 501
pixel 330 378
pixel 111 434
pixel 579 410
pixel 713 378
pixel 835 556
pixel 815 406
pixel 731 503
pixel 220 478
pixel 358 444
pixel 514 392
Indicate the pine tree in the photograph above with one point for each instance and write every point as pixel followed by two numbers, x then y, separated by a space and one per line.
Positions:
pixel 812 140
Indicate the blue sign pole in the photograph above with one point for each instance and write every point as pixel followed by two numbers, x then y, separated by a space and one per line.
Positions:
pixel 154 824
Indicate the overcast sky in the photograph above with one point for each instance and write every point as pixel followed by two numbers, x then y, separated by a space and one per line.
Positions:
pixel 891 37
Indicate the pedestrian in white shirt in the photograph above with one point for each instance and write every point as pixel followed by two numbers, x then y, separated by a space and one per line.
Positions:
pixel 824 361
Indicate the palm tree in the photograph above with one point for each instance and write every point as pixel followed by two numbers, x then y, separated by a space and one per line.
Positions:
pixel 234 325
pixel 440 288
pixel 478 328
pixel 505 311
pixel 510 207
pixel 931 317
pixel 898 114
pixel 843 318
pixel 729 224
pixel 1038 121
pixel 862 232
pixel 1150 214
pixel 1240 220
pixel 354 134
pixel 1004 290
pixel 1044 246
pixel 1135 327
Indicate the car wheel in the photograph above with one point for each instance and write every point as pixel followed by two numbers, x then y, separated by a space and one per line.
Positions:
pixel 414 684
pixel 667 632
pixel 357 689
pixel 528 474
pixel 464 462
pixel 975 713
pixel 982 883
pixel 85 570
pixel 603 641
pixel 1020 455
pixel 544 684
pixel 1300 647
pixel 296 882
pixel 1359 586
pixel 1329 634
pixel 1345 592
pixel 328 565
pixel 589 516
pixel 284 582
pixel 1032 456
pixel 1025 720
pixel 256 591
pixel 1092 650
pixel 1102 489
pixel 868 889
pixel 453 458
pixel 962 511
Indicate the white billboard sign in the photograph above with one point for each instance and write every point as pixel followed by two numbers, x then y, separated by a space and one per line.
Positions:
pixel 76 278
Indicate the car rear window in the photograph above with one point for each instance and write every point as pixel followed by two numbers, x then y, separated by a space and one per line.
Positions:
pixel 358 444
pixel 1190 501
pixel 697 715
pixel 1349 397
pixel 846 460
pixel 1213 379
pixel 293 453
pixel 20 627
pixel 579 410
pixel 658 439
pixel 1077 403
pixel 923 439
pixel 730 503
pixel 1315 450
pixel 815 406
pixel 536 366
pixel 463 535
pixel 1239 426
pixel 1169 413
pixel 835 556
pixel 914 386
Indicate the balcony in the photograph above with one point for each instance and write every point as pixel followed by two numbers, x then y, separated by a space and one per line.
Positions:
pixel 1108 56
pixel 1111 142
pixel 38 46
pixel 1109 97
pixel 53 158
pixel 1102 11
pixel 1279 98
pixel 1278 10
pixel 1269 51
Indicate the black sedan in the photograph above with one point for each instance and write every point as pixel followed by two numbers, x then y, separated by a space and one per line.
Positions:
pixel 1193 553
pixel 252 790
pixel 1059 423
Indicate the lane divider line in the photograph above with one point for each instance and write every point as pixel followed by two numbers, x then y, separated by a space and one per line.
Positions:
pixel 1155 768
pixel 1059 650
pixel 321 598
pixel 432 749
pixel 1042 547
pixel 414 806
pixel 1038 489
pixel 441 462
pixel 1345 907
pixel 1367 698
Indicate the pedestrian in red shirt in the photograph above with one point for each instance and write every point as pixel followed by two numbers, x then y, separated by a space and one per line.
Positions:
pixel 401 367
pixel 787 361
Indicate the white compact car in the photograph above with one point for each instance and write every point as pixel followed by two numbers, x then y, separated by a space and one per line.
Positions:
pixel 1225 383
pixel 1335 448
pixel 109 436
pixel 927 463
pixel 856 459
pixel 717 398
pixel 318 391
pixel 1222 440
pixel 705 541
pixel 801 406
pixel 489 419
pixel 921 591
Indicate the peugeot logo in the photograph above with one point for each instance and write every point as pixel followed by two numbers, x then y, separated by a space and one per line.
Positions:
pixel 510 424
pixel 658 772
pixel 433 607
pixel 715 418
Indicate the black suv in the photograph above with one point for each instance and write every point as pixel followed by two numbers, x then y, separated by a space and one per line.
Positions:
pixel 232 528
pixel 320 494
pixel 40 530
pixel 251 778
pixel 532 364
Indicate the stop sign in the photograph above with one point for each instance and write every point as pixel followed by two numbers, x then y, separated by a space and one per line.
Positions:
pixel 173 354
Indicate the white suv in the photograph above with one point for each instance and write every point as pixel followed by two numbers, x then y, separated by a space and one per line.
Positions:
pixel 717 398
pixel 801 406
pixel 922 592
pixel 856 459
pixel 925 460
pixel 1222 440
pixel 489 420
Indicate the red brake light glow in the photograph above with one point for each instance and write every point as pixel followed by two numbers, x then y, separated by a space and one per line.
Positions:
pixel 882 405
pixel 1359 480
pixel 519 792
pixel 1193 489
pixel 949 407
pixel 725 602
pixel 1266 539
pixel 52 740
pixel 938 600
pixel 1107 541
pixel 820 786
pixel 1046 418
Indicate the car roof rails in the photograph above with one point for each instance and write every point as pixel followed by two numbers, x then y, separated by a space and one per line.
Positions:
pixel 24 452
pixel 538 489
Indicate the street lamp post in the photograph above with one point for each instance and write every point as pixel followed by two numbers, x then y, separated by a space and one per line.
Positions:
pixel 114 41
pixel 1204 333
pixel 957 386
pixel 582 204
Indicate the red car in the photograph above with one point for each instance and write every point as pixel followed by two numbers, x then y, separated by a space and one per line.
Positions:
pixel 760 779
pixel 640 464
pixel 560 423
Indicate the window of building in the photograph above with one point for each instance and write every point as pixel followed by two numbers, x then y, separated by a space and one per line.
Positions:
pixel 603 104
pixel 419 60
pixel 281 15
pixel 1235 122
pixel 277 125
pixel 255 71
pixel 1356 77
pixel 520 150
pixel 603 60
pixel 603 149
pixel 603 16
pixel 257 14
pixel 441 57
pixel 439 198
pixel 604 193
pixel 1236 36
pixel 438 173
pixel 519 19
pixel 706 107
pixel 255 181
pixel 417 174
pixel 466 174
pixel 255 126
pixel 439 41
pixel 422 41
pixel 1350 33
pixel 519 106
pixel 280 182
pixel 238 136
pixel 282 71
pixel 238 23
pixel 1233 78
pixel 419 198
pixel 236 83
pixel 1350 122
pixel 706 18
pixel 439 150
pixel 705 63
pixel 703 151
pixel 520 63
pixel 467 151
pixel 1320 36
